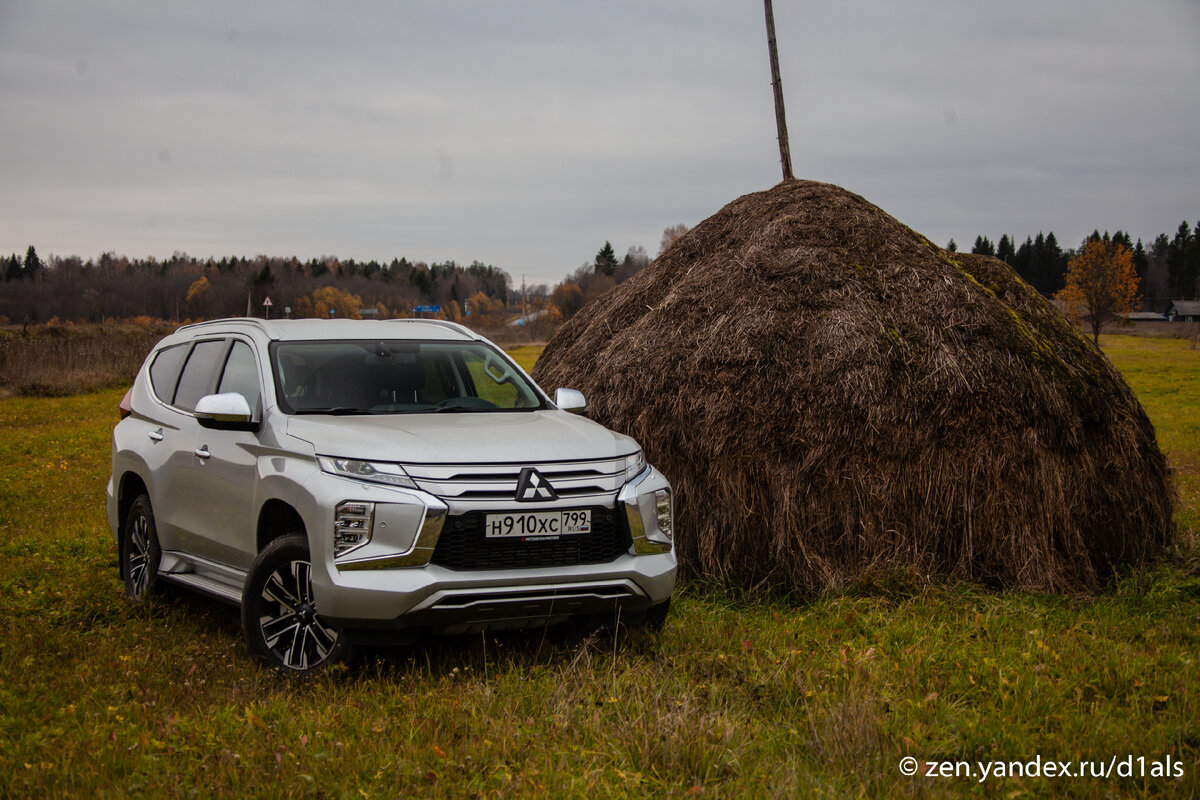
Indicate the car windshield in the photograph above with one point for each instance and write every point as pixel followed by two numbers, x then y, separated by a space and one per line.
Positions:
pixel 398 377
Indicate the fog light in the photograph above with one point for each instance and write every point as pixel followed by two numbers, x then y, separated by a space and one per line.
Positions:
pixel 352 522
pixel 662 506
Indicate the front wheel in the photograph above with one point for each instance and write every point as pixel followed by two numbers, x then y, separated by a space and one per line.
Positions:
pixel 656 616
pixel 279 614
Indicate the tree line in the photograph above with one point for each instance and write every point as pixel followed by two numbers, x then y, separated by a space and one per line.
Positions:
pixel 1168 270
pixel 184 287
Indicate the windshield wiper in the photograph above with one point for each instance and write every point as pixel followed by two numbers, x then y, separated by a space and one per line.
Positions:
pixel 336 411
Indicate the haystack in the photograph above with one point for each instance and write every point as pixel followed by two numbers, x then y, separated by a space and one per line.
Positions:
pixel 834 396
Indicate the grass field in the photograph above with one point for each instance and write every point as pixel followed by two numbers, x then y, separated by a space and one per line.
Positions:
pixel 733 699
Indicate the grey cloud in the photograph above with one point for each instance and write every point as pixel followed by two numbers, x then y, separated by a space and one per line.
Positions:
pixel 527 133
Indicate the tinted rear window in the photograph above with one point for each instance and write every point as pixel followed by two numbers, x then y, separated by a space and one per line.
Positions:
pixel 200 373
pixel 164 371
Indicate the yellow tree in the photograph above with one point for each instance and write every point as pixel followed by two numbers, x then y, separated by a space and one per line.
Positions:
pixel 486 312
pixel 329 301
pixel 197 297
pixel 1101 284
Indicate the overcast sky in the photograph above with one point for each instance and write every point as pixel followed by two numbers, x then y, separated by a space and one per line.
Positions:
pixel 525 133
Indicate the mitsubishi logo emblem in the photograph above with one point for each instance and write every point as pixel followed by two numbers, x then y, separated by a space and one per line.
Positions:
pixel 531 487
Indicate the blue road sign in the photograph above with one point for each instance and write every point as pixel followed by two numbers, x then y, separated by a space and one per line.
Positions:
pixel 427 309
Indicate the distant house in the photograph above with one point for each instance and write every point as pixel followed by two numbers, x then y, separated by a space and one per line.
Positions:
pixel 1144 316
pixel 1184 311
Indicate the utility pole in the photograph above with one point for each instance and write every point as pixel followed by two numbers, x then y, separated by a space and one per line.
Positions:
pixel 785 153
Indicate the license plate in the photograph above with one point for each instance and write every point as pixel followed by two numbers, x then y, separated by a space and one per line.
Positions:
pixel 538 524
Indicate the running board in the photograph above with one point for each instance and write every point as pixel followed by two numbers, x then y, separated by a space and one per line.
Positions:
pixel 206 584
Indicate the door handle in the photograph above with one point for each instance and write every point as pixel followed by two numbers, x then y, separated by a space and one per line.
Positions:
pixel 202 452
pixel 156 436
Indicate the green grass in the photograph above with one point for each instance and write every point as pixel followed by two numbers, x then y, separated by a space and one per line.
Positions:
pixel 526 356
pixel 1165 375
pixel 733 699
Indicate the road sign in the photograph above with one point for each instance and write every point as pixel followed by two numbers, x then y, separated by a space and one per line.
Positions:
pixel 268 302
pixel 427 309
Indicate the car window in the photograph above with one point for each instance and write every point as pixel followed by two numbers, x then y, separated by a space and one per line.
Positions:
pixel 164 371
pixel 199 373
pixel 241 374
pixel 493 378
pixel 397 377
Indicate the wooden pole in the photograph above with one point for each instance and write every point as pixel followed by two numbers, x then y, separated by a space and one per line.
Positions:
pixel 785 153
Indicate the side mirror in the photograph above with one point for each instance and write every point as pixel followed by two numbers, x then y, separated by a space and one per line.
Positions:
pixel 571 401
pixel 228 411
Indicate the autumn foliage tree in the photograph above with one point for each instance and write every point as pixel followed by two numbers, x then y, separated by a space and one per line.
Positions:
pixel 1101 284
pixel 329 301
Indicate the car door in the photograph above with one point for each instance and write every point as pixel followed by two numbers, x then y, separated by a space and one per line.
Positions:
pixel 185 504
pixel 167 447
pixel 175 507
pixel 224 475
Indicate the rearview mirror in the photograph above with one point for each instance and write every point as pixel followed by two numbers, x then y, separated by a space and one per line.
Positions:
pixel 571 400
pixel 228 411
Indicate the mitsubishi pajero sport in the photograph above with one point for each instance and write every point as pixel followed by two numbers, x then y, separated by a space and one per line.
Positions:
pixel 352 481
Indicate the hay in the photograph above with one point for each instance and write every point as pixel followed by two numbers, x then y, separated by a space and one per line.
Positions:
pixel 832 395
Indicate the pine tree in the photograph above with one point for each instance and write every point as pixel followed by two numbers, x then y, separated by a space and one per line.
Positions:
pixel 1005 250
pixel 1056 265
pixel 264 277
pixel 983 247
pixel 33 264
pixel 1141 261
pixel 1022 262
pixel 1182 270
pixel 606 260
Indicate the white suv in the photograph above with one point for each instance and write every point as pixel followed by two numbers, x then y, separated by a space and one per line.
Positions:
pixel 359 481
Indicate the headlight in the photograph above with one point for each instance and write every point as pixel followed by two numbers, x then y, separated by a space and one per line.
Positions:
pixel 373 471
pixel 662 509
pixel 634 464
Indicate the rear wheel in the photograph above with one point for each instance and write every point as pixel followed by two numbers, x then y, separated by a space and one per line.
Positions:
pixel 279 614
pixel 140 552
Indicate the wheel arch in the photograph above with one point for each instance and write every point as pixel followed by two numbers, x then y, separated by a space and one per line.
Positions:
pixel 277 518
pixel 131 487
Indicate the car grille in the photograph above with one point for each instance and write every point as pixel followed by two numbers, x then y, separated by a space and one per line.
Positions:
pixel 486 483
pixel 463 545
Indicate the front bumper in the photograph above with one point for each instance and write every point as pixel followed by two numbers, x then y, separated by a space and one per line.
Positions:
pixel 377 589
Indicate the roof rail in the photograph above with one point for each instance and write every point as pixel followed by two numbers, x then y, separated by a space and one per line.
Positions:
pixel 261 324
pixel 454 326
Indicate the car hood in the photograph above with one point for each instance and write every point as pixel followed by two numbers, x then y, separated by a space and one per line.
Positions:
pixel 517 437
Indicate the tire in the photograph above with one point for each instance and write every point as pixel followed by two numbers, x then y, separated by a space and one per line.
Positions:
pixel 140 552
pixel 279 616
pixel 656 616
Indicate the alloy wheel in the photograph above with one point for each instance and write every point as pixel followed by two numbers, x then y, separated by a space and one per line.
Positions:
pixel 288 619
